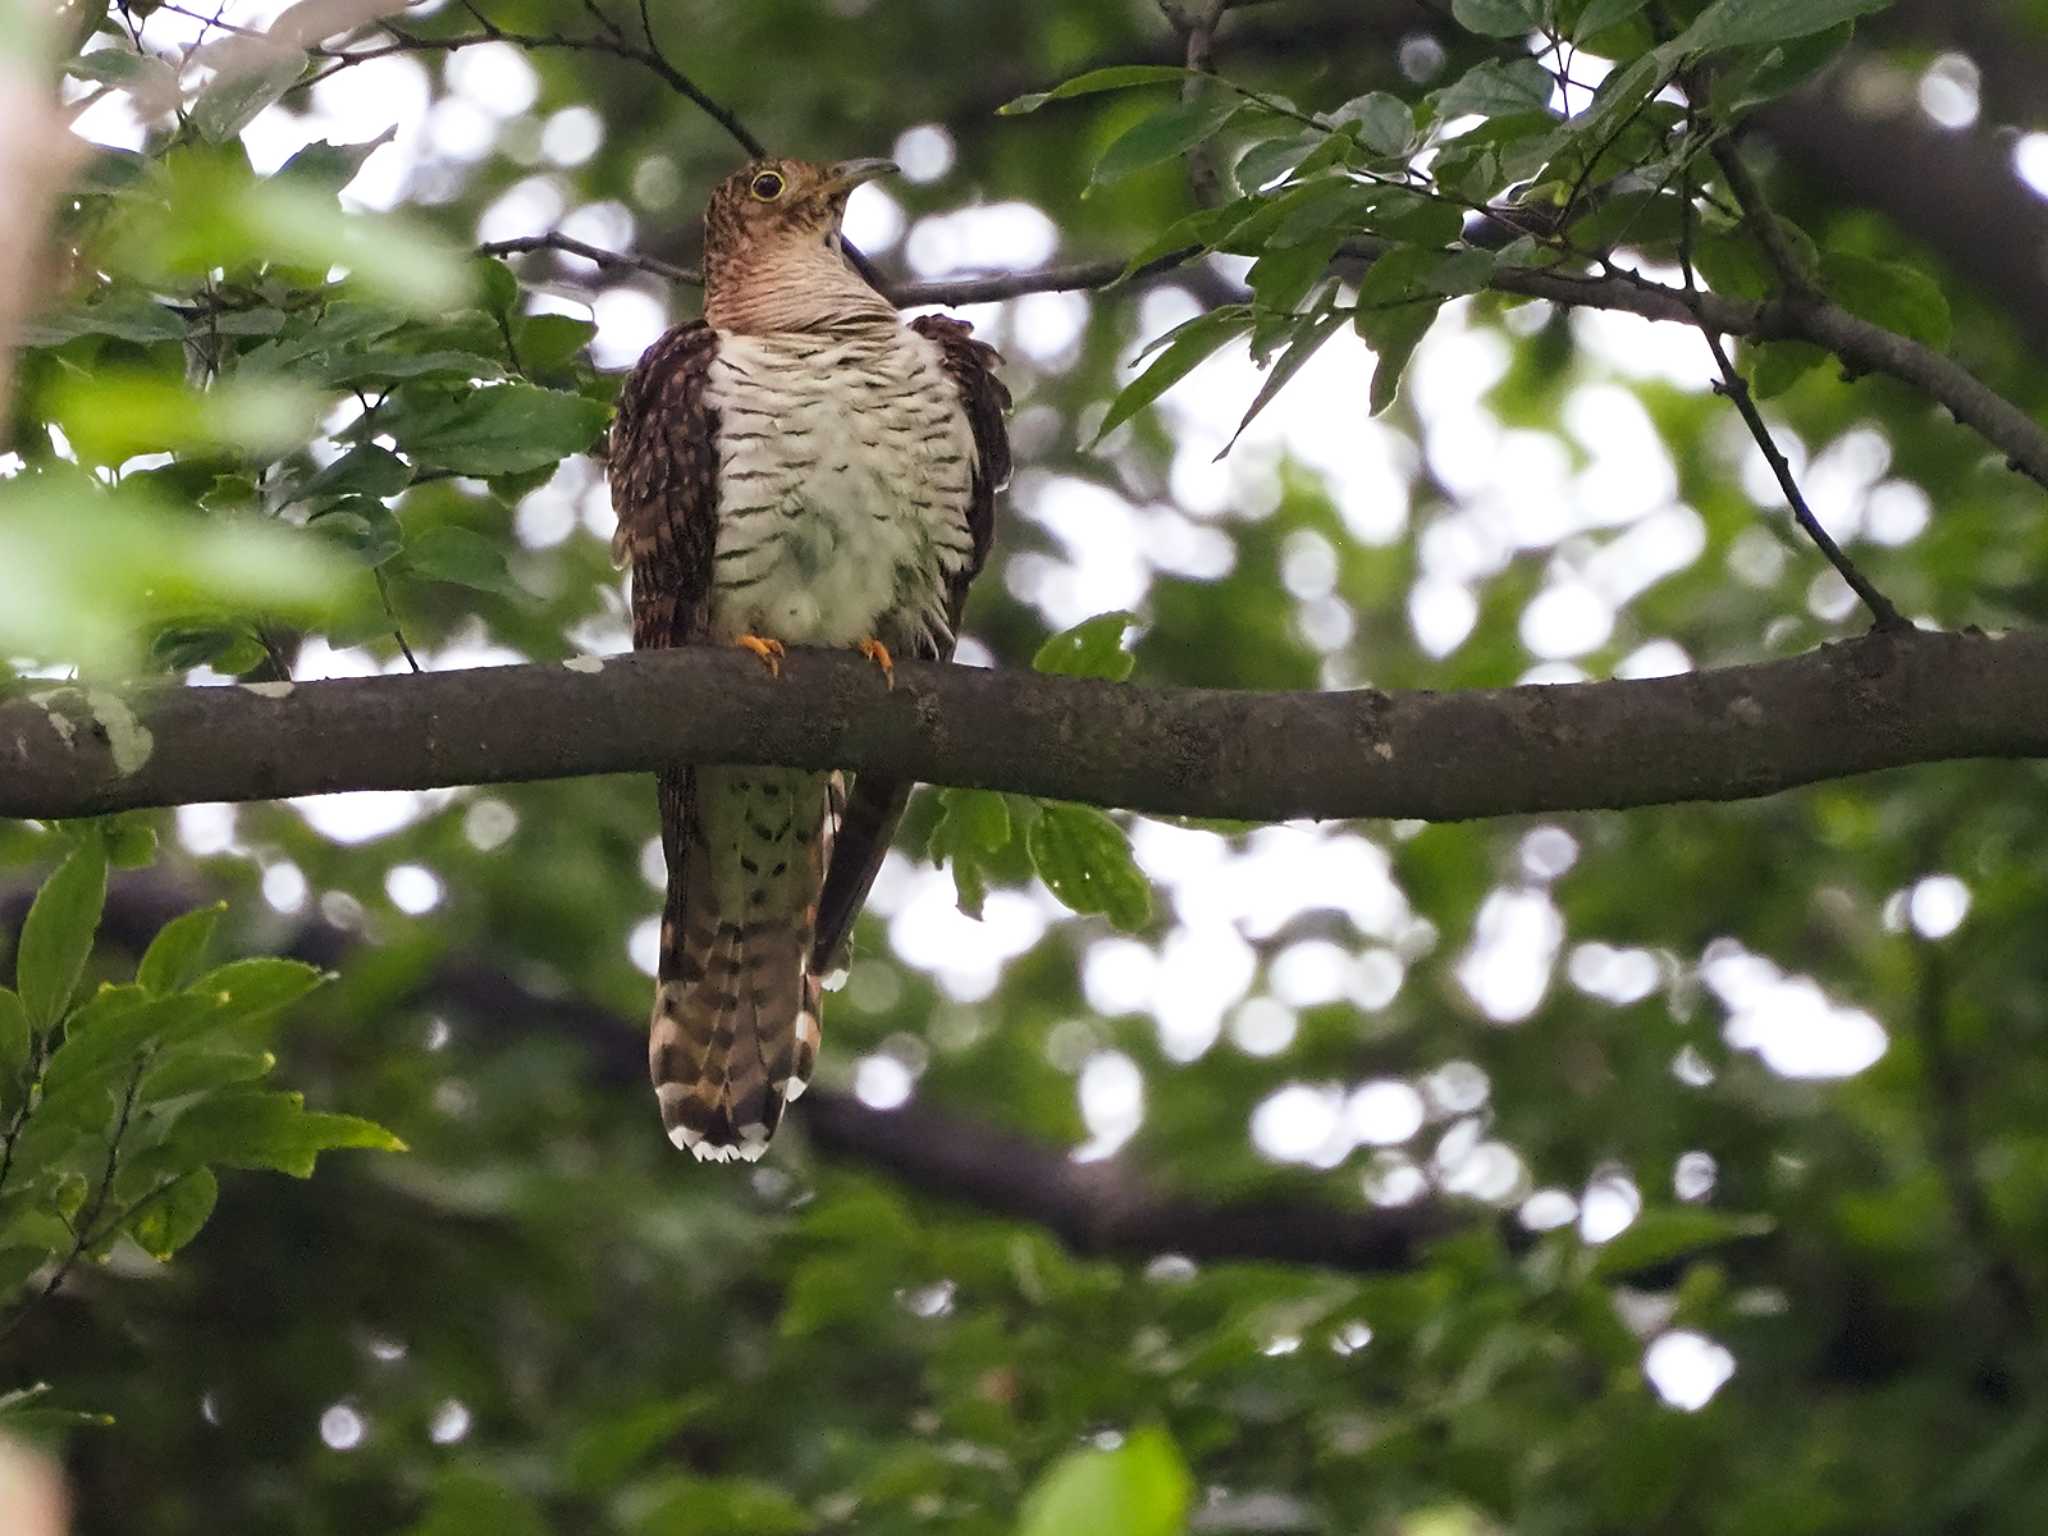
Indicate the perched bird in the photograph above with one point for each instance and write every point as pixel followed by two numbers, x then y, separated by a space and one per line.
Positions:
pixel 799 467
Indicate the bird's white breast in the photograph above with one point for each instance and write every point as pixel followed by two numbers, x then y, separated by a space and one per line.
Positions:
pixel 845 472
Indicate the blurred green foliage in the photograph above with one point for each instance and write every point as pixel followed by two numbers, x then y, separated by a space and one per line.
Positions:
pixel 257 428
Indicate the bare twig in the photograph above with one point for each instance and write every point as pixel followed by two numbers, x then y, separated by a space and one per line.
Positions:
pixel 1196 23
pixel 83 1230
pixel 648 55
pixel 1736 388
pixel 397 629
pixel 554 242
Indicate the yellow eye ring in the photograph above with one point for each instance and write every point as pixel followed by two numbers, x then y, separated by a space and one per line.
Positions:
pixel 767 186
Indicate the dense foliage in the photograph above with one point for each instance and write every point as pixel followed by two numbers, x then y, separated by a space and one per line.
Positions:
pixel 1726 1117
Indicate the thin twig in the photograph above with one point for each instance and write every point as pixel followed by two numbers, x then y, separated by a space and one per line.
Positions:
pixel 649 56
pixel 554 242
pixel 657 61
pixel 1763 223
pixel 1197 28
pixel 397 629
pixel 82 1231
pixel 1736 388
pixel 1863 345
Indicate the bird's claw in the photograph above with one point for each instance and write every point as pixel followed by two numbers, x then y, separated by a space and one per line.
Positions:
pixel 878 653
pixel 769 651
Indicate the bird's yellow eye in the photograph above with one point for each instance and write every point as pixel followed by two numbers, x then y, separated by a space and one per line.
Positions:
pixel 767 186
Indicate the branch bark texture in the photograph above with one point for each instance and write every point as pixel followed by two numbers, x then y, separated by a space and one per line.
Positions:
pixel 1882 701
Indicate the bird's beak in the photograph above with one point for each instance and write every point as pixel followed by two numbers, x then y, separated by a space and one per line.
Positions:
pixel 848 174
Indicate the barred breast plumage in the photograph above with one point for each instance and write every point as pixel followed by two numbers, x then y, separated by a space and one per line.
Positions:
pixel 844 480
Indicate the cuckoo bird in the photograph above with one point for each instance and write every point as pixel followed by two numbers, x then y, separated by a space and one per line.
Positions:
pixel 799 467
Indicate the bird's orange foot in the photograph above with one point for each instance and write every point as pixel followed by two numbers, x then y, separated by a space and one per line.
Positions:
pixel 770 651
pixel 878 653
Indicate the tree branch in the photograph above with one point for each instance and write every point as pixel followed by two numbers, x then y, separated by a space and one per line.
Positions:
pixel 1863 346
pixel 1736 389
pixel 1885 700
pixel 614 42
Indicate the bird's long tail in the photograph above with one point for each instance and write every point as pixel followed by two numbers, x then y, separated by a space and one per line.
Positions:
pixel 735 1029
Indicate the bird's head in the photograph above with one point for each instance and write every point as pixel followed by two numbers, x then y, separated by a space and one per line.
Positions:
pixel 773 259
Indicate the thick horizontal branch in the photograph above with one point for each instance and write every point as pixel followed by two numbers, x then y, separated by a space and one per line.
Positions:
pixel 1882 701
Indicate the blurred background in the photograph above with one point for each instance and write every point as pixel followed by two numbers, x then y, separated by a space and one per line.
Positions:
pixel 1791 1050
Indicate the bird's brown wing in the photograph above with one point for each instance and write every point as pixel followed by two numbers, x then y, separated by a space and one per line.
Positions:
pixel 875 804
pixel 664 478
pixel 663 463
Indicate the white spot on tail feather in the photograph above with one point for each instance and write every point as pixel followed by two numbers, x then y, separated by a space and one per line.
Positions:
pixel 715 1152
pixel 584 664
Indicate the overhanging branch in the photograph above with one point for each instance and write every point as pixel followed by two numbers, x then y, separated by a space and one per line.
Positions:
pixel 1864 346
pixel 1882 701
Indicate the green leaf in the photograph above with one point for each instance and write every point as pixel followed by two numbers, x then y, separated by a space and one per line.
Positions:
pixel 57 937
pixel 367 470
pixel 367 529
pixel 1497 88
pixel 1599 15
pixel 187 1071
pixel 1142 1488
pixel 148 78
pixel 173 956
pixel 498 286
pixel 115 413
pixel 468 1504
pixel 1308 340
pixel 1386 126
pixel 1890 294
pixel 1092 648
pixel 243 990
pixel 1499 18
pixel 131 843
pixel 683 1504
pixel 331 167
pixel 1163 136
pixel 1734 23
pixel 128 316
pixel 1775 366
pixel 258 1129
pixel 173 1218
pixel 457 555
pixel 499 430
pixel 110 1032
pixel 380 366
pixel 291 222
pixel 86 574
pixel 1085 860
pixel 231 100
pixel 1191 345
pixel 1659 1236
pixel 1454 273
pixel 1284 277
pixel 1398 300
pixel 972 824
pixel 17 1264
pixel 14 1049
pixel 550 341
pixel 1117 77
